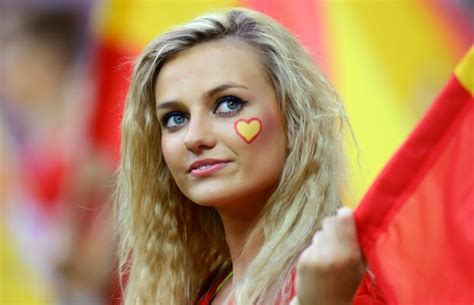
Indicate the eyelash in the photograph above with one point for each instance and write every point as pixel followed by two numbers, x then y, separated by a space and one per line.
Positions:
pixel 228 98
pixel 165 119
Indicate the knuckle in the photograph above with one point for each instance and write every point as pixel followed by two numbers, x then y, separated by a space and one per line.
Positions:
pixel 328 221
pixel 317 238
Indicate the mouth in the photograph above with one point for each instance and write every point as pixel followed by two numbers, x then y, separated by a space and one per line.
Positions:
pixel 206 167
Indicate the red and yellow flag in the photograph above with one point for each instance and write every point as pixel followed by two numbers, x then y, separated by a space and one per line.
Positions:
pixel 416 221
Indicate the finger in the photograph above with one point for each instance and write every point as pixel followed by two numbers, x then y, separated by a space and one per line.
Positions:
pixel 314 259
pixel 327 239
pixel 327 222
pixel 305 255
pixel 328 228
pixel 316 240
pixel 319 247
pixel 345 228
pixel 344 212
pixel 347 235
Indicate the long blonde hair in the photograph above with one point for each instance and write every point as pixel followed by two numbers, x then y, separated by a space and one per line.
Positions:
pixel 170 246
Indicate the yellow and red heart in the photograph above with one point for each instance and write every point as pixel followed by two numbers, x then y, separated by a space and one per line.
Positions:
pixel 248 129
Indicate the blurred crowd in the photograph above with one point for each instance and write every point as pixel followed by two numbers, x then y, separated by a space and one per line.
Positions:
pixel 55 185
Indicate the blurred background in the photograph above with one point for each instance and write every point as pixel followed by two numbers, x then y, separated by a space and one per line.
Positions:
pixel 65 69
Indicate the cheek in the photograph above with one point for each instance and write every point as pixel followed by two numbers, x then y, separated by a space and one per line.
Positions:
pixel 264 143
pixel 170 151
pixel 165 149
pixel 272 143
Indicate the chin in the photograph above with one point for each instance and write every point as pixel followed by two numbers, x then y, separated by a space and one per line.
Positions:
pixel 211 199
pixel 231 198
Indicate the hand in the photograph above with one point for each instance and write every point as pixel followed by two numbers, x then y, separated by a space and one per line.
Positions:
pixel 330 270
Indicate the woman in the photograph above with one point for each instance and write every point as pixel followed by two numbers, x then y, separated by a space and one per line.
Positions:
pixel 231 158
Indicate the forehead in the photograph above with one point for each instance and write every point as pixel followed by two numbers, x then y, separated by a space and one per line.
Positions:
pixel 211 64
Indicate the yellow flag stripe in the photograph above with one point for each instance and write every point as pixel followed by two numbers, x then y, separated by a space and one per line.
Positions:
pixel 465 71
pixel 134 23
pixel 411 50
pixel 379 121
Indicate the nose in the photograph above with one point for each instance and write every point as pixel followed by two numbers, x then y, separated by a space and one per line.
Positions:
pixel 199 135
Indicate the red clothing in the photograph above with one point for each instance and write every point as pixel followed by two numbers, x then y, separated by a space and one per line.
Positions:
pixel 367 294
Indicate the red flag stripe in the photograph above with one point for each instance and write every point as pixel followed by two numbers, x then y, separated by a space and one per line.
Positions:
pixel 416 155
pixel 417 202
pixel 306 20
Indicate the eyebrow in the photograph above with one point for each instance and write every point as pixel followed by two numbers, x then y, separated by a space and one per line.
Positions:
pixel 223 87
pixel 208 94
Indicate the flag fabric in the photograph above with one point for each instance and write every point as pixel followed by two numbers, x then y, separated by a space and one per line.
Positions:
pixel 416 222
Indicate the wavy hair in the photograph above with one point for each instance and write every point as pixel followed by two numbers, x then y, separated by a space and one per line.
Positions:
pixel 169 246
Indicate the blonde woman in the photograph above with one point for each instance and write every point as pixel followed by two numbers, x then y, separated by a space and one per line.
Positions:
pixel 231 158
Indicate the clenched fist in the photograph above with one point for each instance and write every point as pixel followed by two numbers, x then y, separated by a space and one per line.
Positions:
pixel 331 268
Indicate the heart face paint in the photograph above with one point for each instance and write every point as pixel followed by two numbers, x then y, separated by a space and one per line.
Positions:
pixel 248 129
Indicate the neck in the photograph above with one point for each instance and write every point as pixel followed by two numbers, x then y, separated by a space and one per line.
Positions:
pixel 237 227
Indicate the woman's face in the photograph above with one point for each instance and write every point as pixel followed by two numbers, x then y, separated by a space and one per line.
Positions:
pixel 222 133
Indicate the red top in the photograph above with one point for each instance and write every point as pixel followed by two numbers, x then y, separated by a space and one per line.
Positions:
pixel 367 294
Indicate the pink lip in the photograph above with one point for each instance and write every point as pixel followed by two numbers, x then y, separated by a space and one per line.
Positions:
pixel 211 166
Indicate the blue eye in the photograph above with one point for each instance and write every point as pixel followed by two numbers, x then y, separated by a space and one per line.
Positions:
pixel 174 120
pixel 229 105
